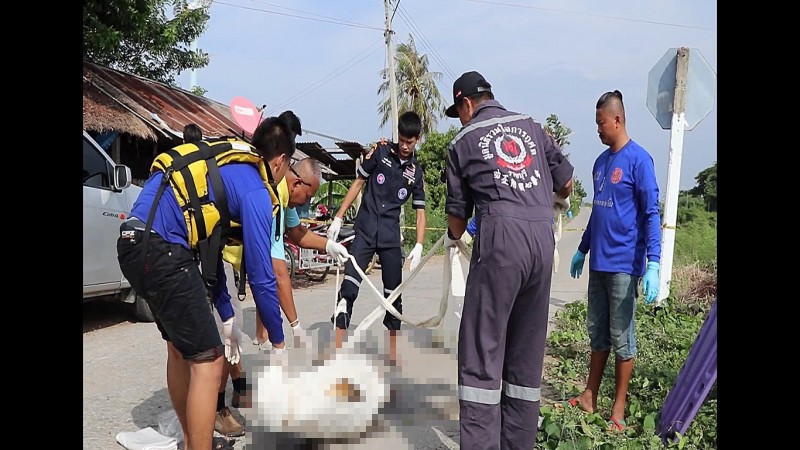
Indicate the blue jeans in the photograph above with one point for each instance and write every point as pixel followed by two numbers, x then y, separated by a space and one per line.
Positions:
pixel 609 320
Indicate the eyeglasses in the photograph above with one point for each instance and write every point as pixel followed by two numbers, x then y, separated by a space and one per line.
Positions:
pixel 299 177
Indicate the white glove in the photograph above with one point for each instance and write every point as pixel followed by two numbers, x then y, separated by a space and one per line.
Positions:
pixel 300 335
pixel 333 230
pixel 337 250
pixel 559 203
pixel 233 340
pixel 449 243
pixel 415 256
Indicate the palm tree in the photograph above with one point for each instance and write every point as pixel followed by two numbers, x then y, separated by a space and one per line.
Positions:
pixel 416 88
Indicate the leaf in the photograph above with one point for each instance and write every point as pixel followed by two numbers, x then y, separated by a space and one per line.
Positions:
pixel 587 430
pixel 650 423
pixel 553 430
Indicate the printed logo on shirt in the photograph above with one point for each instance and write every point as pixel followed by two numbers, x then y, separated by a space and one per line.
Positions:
pixel 409 174
pixel 513 150
pixel 381 178
pixel 616 175
pixel 402 193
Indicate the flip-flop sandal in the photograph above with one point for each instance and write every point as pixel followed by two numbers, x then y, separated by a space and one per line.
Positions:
pixel 220 443
pixel 571 403
pixel 616 424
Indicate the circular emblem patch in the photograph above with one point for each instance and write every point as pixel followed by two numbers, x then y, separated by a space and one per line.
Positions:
pixel 381 178
pixel 402 193
pixel 616 175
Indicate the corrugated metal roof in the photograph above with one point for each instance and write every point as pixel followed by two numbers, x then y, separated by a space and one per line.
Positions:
pixel 164 107
pixel 354 149
pixel 344 168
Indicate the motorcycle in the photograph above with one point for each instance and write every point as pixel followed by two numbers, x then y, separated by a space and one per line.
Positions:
pixel 315 264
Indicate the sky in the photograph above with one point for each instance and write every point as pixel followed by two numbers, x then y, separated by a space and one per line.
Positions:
pixel 323 59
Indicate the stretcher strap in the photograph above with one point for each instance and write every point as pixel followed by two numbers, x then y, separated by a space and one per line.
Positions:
pixel 557 234
pixel 386 302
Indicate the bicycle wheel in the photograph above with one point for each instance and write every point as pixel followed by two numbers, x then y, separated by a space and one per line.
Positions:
pixel 291 260
pixel 318 274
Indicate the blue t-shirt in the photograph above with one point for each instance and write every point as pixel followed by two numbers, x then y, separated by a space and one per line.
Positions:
pixel 249 204
pixel 624 229
pixel 290 220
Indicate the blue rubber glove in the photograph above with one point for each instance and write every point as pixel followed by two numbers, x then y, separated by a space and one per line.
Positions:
pixel 650 283
pixel 576 268
pixel 472 227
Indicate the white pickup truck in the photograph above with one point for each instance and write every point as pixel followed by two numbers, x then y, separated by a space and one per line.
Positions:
pixel 108 197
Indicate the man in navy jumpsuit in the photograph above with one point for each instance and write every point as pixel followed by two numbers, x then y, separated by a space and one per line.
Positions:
pixel 391 174
pixel 503 165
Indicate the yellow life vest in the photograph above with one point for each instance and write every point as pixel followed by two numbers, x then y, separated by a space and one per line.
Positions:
pixel 188 168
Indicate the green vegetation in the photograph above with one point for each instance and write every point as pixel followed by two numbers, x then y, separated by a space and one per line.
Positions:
pixel 143 38
pixel 664 336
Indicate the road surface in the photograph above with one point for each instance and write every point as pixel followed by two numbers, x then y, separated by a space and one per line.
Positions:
pixel 124 362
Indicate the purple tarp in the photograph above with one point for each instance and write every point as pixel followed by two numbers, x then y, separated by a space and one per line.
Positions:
pixel 694 381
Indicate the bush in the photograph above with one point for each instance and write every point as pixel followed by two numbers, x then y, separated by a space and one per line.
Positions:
pixel 664 339
pixel 436 224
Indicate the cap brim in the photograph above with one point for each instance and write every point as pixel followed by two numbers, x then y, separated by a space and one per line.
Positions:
pixel 451 112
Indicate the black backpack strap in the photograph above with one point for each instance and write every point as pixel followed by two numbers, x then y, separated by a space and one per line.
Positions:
pixel 242 279
pixel 151 216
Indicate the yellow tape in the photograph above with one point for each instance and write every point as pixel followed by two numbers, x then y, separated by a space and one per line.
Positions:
pixel 315 222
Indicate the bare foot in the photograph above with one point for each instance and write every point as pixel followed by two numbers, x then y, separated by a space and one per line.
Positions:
pixel 585 401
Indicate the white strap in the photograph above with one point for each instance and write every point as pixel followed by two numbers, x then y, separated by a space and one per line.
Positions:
pixel 386 302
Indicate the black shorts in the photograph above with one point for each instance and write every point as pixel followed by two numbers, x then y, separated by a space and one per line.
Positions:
pixel 173 287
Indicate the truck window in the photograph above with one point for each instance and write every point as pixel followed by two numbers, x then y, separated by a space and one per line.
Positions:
pixel 96 168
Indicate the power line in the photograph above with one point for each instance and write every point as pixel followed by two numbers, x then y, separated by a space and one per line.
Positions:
pixel 627 19
pixel 336 22
pixel 313 14
pixel 435 54
pixel 330 76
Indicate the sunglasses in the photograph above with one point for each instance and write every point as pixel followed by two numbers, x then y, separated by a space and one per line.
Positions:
pixel 302 181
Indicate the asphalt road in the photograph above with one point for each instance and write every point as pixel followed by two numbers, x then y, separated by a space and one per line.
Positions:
pixel 124 363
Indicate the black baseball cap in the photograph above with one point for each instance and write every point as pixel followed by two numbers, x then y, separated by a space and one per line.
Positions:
pixel 470 83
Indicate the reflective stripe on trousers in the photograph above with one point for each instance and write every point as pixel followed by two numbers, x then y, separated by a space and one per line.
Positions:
pixel 492 396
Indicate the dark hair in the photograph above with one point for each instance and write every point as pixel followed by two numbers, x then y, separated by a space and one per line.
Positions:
pixel 480 97
pixel 409 124
pixel 607 97
pixel 292 120
pixel 192 133
pixel 272 138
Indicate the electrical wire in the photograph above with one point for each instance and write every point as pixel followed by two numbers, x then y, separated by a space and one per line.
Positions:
pixel 336 22
pixel 349 64
pixel 313 14
pixel 406 17
pixel 602 16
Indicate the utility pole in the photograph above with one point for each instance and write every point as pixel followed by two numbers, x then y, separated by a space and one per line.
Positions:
pixel 674 173
pixel 390 59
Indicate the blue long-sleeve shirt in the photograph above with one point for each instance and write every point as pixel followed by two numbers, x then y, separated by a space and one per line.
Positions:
pixel 250 204
pixel 624 229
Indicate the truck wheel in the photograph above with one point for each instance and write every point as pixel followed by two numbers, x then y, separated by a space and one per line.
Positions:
pixel 143 313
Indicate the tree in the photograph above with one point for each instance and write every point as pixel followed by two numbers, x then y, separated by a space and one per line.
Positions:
pixel 432 156
pixel 136 36
pixel 707 187
pixel 561 133
pixel 416 88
